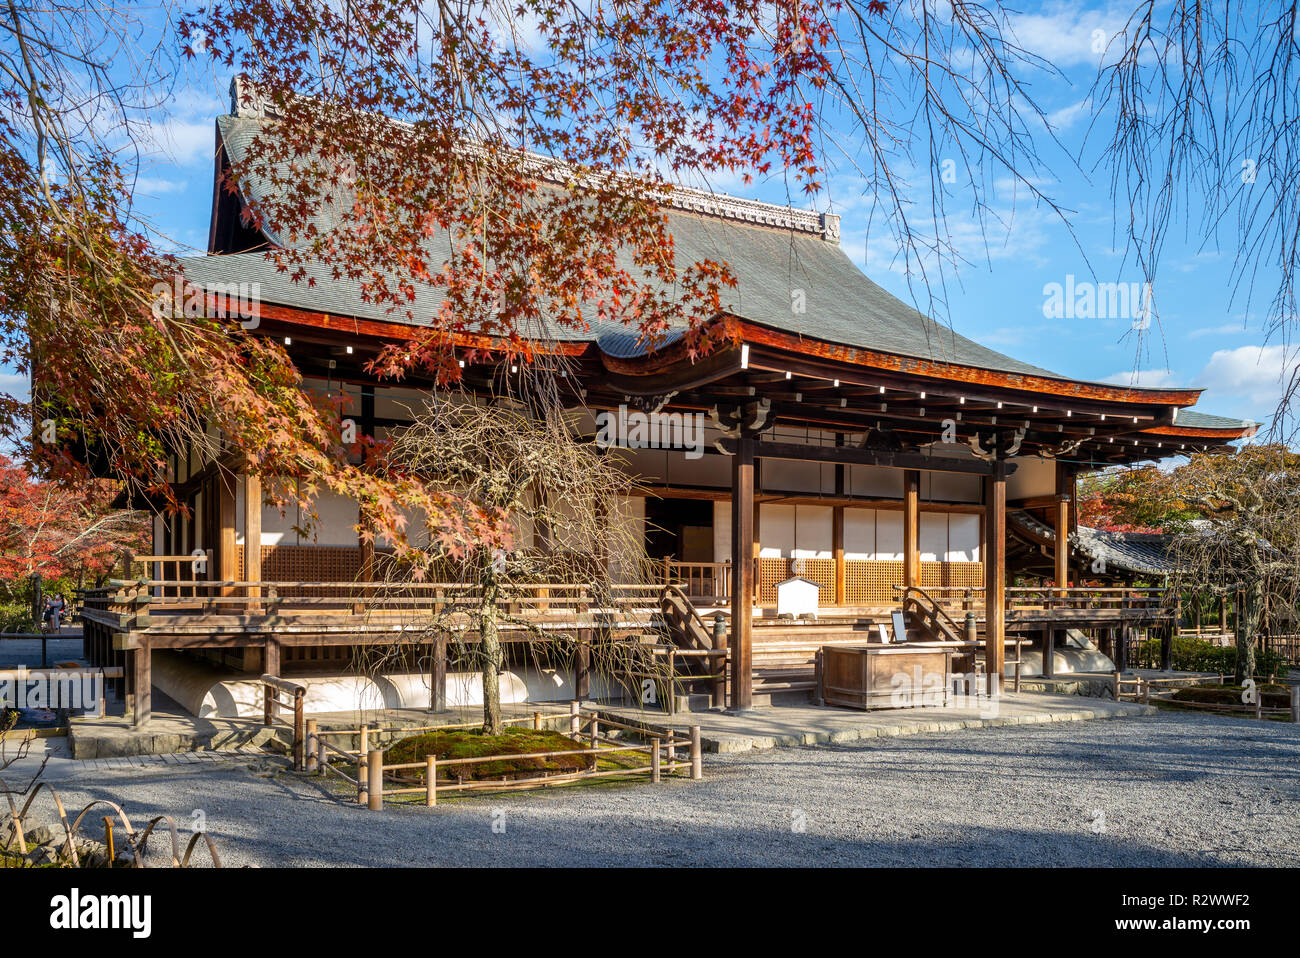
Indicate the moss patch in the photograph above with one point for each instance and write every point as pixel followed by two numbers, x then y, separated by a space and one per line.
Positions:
pixel 1272 696
pixel 472 743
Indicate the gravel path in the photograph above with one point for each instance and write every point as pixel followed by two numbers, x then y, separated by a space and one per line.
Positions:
pixel 1177 789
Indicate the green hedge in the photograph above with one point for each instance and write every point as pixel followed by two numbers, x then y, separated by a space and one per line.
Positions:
pixel 1197 655
pixel 16 617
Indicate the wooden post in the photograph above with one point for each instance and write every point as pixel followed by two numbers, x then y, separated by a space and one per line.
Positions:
pixel 1121 651
pixel 375 780
pixel 322 755
pixel 268 705
pixel 298 736
pixel 697 762
pixel 313 748
pixel 1049 653
pixel 995 572
pixel 537 720
pixel 363 793
pixel 1259 702
pixel 271 657
pixel 719 673
pixel 742 574
pixel 595 733
pixel 142 677
pixel 654 760
pixel 1064 494
pixel 227 567
pixel 1115 680
pixel 253 538
pixel 430 781
pixel 837 544
pixel 1167 647
pixel 911 527
pixel 575 721
pixel 1295 703
pixel 366 547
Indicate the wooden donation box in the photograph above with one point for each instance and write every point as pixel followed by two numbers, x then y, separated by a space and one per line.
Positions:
pixel 898 675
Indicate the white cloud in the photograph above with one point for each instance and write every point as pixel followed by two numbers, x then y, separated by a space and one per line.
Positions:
pixel 15 384
pixel 1225 330
pixel 1253 376
pixel 1065 117
pixel 156 186
pixel 1065 36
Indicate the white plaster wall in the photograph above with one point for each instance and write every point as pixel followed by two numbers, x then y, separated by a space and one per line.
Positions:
pixel 963 538
pixel 721 530
pixel 710 469
pixel 776 524
pixel 814 536
pixel 951 487
pixel 859 533
pixel 1033 477
pixel 932 536
pixel 874 481
pixel 889 535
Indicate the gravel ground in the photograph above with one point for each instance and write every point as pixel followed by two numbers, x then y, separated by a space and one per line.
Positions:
pixel 1177 789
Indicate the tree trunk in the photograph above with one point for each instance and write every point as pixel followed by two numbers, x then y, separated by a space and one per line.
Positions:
pixel 490 649
pixel 1248 623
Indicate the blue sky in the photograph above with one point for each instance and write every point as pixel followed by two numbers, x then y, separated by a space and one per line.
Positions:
pixel 1203 337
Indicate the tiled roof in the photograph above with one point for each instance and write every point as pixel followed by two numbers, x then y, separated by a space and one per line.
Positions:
pixel 1142 553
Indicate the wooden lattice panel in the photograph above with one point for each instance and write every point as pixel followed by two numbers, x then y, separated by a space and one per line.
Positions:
pixel 952 575
pixel 770 572
pixel 306 564
pixel 871 581
pixel 821 571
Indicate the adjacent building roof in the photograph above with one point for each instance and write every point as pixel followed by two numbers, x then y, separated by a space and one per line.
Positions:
pixel 1137 553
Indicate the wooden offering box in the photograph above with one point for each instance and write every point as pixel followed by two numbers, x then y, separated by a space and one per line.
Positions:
pixel 904 675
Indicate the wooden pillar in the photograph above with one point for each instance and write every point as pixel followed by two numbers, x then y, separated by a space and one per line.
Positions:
pixel 271 657
pixel 252 537
pixel 837 544
pixel 911 527
pixel 1064 496
pixel 366 543
pixel 995 569
pixel 227 556
pixel 1049 653
pixel 742 573
pixel 142 680
pixel 837 532
pixel 1167 647
pixel 757 550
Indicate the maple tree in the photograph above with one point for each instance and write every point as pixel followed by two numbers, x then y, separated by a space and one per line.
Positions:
pixel 59 533
pixel 1233 523
pixel 525 153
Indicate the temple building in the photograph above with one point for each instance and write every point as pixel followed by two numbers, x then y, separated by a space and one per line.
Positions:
pixel 845 438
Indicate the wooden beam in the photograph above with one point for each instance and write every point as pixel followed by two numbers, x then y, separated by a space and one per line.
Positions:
pixel 911 528
pixel 742 574
pixel 865 457
pixel 995 572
